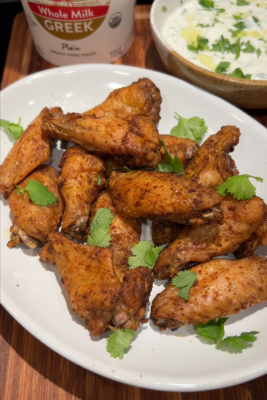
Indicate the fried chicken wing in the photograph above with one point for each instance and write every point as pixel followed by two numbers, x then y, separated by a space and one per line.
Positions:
pixel 124 232
pixel 212 165
pixel 223 287
pixel 200 244
pixel 183 148
pixel 31 223
pixel 162 196
pixel 94 291
pixel 164 232
pixel 140 98
pixel 30 151
pixel 137 141
pixel 79 186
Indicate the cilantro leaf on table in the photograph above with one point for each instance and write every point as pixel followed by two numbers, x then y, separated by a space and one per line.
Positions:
pixel 239 186
pixel 100 236
pixel 175 163
pixel 192 128
pixel 242 3
pixel 119 341
pixel 144 255
pixel 222 67
pixel 238 73
pixel 38 193
pixel 214 330
pixel 103 216
pixel 14 130
pixel 206 3
pixel 164 167
pixel 184 281
pixel 99 182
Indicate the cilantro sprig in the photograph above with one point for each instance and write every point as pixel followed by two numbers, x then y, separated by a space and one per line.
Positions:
pixel 14 130
pixel 99 231
pixel 175 164
pixel 183 281
pixel 119 341
pixel 214 330
pixel 144 255
pixel 38 193
pixel 192 128
pixel 239 186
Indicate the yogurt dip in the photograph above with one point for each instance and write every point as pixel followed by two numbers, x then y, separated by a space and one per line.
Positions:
pixel 228 37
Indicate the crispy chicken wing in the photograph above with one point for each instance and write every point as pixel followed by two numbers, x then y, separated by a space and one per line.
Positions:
pixel 212 165
pixel 30 151
pixel 79 186
pixel 164 232
pixel 158 195
pixel 140 98
pixel 222 287
pixel 183 148
pixel 136 141
pixel 32 224
pixel 125 233
pixel 241 219
pixel 94 291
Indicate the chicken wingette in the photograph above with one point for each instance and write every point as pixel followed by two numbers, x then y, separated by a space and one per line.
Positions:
pixel 200 244
pixel 94 291
pixel 182 148
pixel 30 151
pixel 163 196
pixel 82 178
pixel 32 223
pixel 223 287
pixel 136 142
pixel 140 98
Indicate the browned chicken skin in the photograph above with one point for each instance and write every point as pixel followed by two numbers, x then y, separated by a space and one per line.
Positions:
pixel 184 149
pixel 124 232
pixel 93 289
pixel 136 141
pixel 79 188
pixel 164 232
pixel 223 287
pixel 159 195
pixel 31 223
pixel 140 98
pixel 30 151
pixel 200 244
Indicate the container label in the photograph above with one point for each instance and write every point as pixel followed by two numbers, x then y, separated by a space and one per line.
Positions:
pixel 70 20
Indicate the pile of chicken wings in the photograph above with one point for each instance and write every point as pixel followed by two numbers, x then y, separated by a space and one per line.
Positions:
pixel 186 211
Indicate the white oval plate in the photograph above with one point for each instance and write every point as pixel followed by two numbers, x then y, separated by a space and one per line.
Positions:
pixel 32 291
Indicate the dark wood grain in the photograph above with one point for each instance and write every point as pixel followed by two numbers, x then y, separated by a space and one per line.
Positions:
pixel 28 369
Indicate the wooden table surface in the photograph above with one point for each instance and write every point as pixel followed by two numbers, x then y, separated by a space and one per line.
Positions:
pixel 29 369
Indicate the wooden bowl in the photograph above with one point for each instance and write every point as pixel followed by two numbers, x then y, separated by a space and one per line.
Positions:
pixel 244 93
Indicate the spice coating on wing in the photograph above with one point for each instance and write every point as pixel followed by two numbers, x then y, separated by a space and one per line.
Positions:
pixel 223 287
pixel 158 195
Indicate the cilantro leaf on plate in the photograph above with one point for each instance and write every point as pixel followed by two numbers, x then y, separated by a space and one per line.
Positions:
pixel 119 341
pixel 184 281
pixel 192 128
pixel 103 216
pixel 14 130
pixel 239 186
pixel 144 255
pixel 239 342
pixel 38 193
pixel 99 236
pixel 175 163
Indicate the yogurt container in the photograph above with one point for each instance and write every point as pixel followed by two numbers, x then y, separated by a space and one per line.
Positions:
pixel 69 32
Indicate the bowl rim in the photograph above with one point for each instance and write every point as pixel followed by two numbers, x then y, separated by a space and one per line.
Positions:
pixel 238 81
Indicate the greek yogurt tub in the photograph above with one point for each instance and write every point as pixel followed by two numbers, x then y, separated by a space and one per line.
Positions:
pixel 228 37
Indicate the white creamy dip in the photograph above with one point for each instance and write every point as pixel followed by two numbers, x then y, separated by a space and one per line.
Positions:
pixel 221 36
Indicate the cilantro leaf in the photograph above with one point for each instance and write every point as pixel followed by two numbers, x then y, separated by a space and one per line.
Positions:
pixel 175 163
pixel 206 3
pixel 258 51
pixel 239 186
pixel 119 341
pixel 164 9
pixel 238 73
pixel 14 130
pixel 144 255
pixel 127 169
pixel 192 128
pixel 249 48
pixel 99 182
pixel 242 3
pixel 164 167
pixel 213 330
pixel 184 281
pixel 202 44
pixel 220 10
pixel 222 43
pixel 103 216
pixel 255 19
pixel 240 25
pixel 99 236
pixel 237 17
pixel 235 48
pixel 222 67
pixel 38 193
pixel 238 342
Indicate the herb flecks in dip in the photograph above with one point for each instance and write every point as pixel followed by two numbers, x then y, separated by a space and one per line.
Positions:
pixel 227 37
